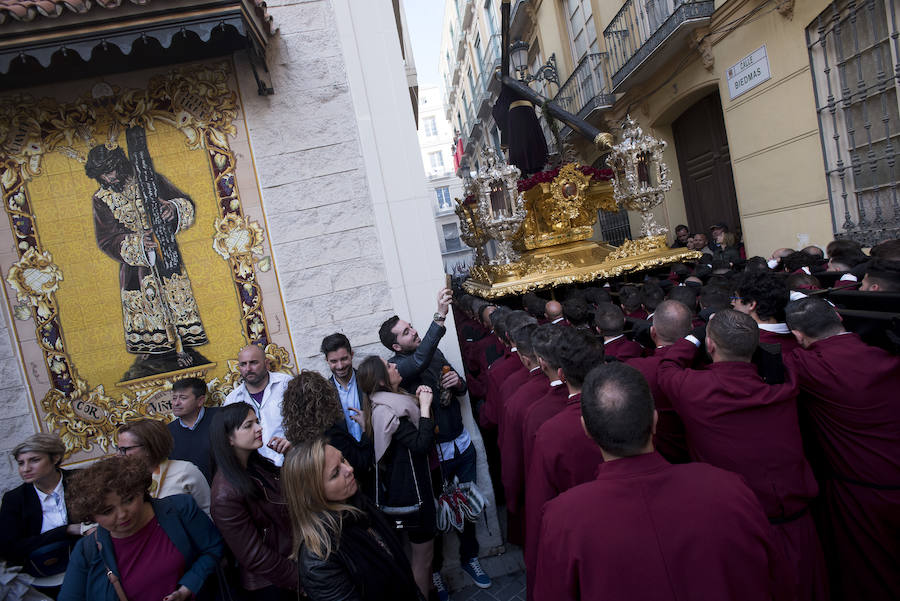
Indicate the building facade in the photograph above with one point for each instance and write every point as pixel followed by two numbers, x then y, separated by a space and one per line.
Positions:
pixel 436 143
pixel 780 117
pixel 297 182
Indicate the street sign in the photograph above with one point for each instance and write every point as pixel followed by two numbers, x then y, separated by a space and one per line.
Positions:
pixel 748 72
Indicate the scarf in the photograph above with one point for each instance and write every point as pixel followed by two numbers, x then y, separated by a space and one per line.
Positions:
pixel 387 409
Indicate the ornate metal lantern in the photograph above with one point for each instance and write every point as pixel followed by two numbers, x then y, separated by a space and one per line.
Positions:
pixel 500 205
pixel 641 176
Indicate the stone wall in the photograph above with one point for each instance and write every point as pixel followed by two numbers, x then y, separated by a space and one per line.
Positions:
pixel 16 422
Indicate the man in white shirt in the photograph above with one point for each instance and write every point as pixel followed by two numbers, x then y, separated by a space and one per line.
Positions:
pixel 264 391
pixel 339 356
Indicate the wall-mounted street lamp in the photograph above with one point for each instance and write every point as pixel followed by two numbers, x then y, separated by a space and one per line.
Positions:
pixel 518 56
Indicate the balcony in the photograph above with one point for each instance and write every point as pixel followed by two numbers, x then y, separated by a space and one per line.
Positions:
pixel 487 81
pixel 588 88
pixel 468 11
pixel 460 44
pixel 644 34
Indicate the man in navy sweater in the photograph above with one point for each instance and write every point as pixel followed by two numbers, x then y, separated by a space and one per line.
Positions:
pixel 190 429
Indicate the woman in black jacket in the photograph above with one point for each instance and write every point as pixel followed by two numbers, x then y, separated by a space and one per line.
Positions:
pixel 403 435
pixel 34 518
pixel 346 548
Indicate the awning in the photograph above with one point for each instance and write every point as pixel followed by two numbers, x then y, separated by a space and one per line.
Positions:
pixel 48 41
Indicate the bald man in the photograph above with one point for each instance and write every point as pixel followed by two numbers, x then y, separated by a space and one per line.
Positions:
pixel 263 390
pixel 554 313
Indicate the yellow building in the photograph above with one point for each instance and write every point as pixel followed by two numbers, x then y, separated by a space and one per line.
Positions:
pixel 781 118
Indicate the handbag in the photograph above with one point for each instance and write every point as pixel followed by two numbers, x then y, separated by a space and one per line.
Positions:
pixel 459 501
pixel 403 516
pixel 49 560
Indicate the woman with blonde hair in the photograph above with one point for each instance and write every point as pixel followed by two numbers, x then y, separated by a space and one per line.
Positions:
pixel 311 408
pixel 403 435
pixel 151 440
pixel 345 547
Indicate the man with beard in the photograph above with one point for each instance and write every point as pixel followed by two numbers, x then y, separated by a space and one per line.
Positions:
pixel 419 361
pixel 161 320
pixel 264 391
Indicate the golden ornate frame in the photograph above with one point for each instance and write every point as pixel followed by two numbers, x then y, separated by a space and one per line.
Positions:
pixel 194 99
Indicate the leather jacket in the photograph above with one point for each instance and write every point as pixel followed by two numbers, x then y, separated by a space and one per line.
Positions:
pixel 257 530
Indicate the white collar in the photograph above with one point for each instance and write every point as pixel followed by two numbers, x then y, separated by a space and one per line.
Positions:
pixel 513 349
pixel 775 328
pixel 534 369
pixel 613 339
pixel 556 383
pixel 42 496
pixel 558 319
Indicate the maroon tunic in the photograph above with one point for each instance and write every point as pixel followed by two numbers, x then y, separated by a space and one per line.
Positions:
pixel 623 349
pixel 669 439
pixel 646 530
pixel 537 415
pixel 509 439
pixel 484 352
pixel 498 371
pixel 563 457
pixel 734 420
pixel 851 396
pixel 509 386
pixel 787 341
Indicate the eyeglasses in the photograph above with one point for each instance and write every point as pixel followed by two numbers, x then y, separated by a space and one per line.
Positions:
pixel 124 450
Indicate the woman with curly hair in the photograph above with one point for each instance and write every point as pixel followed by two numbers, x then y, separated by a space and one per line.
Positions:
pixel 345 547
pixel 144 549
pixel 403 435
pixel 312 409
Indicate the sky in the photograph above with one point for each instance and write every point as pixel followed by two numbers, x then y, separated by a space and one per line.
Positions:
pixel 423 18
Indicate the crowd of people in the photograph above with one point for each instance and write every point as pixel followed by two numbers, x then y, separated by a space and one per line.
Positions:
pixel 713 432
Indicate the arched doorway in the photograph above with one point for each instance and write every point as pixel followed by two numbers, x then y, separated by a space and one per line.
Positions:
pixel 705 165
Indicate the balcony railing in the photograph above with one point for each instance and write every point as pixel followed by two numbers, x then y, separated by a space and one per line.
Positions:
pixel 642 27
pixel 588 87
pixel 489 64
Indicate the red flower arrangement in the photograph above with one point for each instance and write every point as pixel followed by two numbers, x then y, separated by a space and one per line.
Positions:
pixel 600 175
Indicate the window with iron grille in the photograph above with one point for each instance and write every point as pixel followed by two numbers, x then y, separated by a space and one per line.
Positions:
pixel 853 54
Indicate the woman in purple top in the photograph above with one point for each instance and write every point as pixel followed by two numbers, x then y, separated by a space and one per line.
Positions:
pixel 144 549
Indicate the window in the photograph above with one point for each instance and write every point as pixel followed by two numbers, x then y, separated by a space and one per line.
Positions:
pixel 478 50
pixel 852 63
pixel 472 82
pixel 495 136
pixel 436 160
pixel 443 198
pixel 451 237
pixel 582 31
pixel 489 17
pixel 430 126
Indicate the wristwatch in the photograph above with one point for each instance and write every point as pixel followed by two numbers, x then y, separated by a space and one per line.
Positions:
pixel 439 317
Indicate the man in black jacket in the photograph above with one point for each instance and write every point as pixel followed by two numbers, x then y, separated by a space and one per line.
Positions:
pixel 419 361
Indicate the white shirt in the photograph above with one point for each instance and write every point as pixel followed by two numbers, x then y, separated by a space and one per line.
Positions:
pixel 775 328
pixel 268 411
pixel 53 507
pixel 447 450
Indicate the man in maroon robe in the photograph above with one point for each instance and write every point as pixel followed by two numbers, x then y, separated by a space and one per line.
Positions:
pixel 850 393
pixel 563 455
pixel 671 323
pixel 763 296
pixel 509 433
pixel 734 420
pixel 504 367
pixel 648 530
pixel 484 352
pixel 609 321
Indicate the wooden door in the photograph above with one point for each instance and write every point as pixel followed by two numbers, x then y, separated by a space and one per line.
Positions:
pixel 705 165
